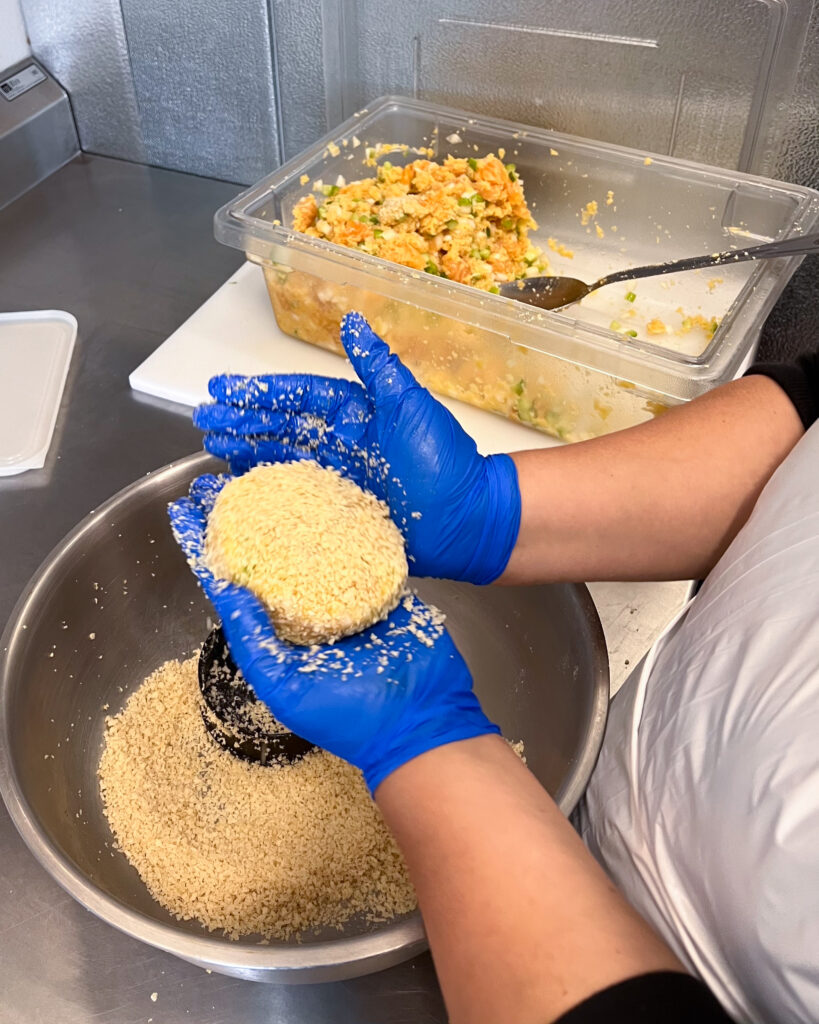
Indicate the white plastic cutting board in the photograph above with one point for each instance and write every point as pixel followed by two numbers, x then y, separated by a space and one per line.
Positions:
pixel 35 352
pixel 235 331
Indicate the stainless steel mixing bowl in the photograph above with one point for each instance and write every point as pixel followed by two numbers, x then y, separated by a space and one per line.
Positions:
pixel 115 599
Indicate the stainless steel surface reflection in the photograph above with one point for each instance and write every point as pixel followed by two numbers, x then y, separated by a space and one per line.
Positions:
pixel 115 599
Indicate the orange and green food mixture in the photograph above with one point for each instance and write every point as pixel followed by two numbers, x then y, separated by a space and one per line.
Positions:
pixel 465 219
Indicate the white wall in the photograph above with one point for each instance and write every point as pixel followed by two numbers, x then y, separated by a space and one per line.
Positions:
pixel 13 42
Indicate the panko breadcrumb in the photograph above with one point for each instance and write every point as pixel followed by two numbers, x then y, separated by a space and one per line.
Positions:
pixel 244 849
pixel 322 554
pixel 465 219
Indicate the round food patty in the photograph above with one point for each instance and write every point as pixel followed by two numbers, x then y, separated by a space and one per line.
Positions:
pixel 322 554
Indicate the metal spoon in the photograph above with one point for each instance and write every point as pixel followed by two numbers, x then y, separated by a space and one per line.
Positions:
pixel 557 292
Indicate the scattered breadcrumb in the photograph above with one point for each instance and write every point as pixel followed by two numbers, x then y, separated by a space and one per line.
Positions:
pixel 656 326
pixel 560 248
pixel 588 212
pixel 322 554
pixel 244 849
pixel 648 161
pixel 609 197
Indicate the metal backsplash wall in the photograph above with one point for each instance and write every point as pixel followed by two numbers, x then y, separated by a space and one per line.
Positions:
pixel 230 90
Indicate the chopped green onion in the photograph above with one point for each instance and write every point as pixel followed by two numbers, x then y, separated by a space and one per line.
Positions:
pixel 525 410
pixel 510 170
pixel 615 325
pixel 508 223
pixel 464 200
pixel 378 233
pixel 488 233
pixel 631 296
pixel 452 224
pixel 518 388
pixel 631 334
pixel 374 219
pixel 495 290
pixel 473 163
pixel 322 212
pixel 478 198
pixel 430 268
pixel 484 253
pixel 714 326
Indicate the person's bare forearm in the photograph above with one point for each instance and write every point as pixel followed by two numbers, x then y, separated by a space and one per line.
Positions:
pixel 661 500
pixel 522 922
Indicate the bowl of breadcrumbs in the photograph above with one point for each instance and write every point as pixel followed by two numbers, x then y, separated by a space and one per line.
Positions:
pixel 281 871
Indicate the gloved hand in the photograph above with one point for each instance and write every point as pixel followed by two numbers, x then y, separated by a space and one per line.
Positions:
pixel 459 511
pixel 376 699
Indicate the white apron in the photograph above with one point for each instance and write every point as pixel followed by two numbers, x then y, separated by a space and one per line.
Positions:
pixel 704 805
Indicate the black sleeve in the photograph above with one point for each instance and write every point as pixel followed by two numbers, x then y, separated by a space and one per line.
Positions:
pixel 665 997
pixel 800 382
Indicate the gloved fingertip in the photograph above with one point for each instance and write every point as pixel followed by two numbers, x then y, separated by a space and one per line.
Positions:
pixel 203 414
pixel 365 350
pixel 228 387
pixel 221 445
pixel 380 370
pixel 205 489
pixel 215 385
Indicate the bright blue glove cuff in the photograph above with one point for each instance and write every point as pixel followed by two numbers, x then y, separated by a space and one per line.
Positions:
pixel 500 496
pixel 466 724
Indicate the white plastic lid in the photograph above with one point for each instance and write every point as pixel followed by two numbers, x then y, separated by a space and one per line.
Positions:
pixel 35 352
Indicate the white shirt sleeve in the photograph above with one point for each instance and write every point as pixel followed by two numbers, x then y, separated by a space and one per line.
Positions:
pixel 704 805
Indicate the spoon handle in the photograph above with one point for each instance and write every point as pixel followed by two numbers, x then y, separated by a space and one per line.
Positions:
pixel 788 247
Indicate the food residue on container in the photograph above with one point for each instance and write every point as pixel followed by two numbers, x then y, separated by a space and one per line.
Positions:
pixel 560 248
pixel 465 219
pixel 588 212
pixel 697 320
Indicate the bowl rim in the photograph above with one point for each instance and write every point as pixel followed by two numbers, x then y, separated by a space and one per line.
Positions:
pixel 313 961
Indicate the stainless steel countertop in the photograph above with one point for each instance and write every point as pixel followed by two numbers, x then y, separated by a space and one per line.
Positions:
pixel 129 250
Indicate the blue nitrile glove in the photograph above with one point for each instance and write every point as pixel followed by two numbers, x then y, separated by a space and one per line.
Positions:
pixel 459 511
pixel 376 699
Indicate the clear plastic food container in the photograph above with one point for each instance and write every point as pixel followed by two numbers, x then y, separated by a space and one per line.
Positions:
pixel 624 354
